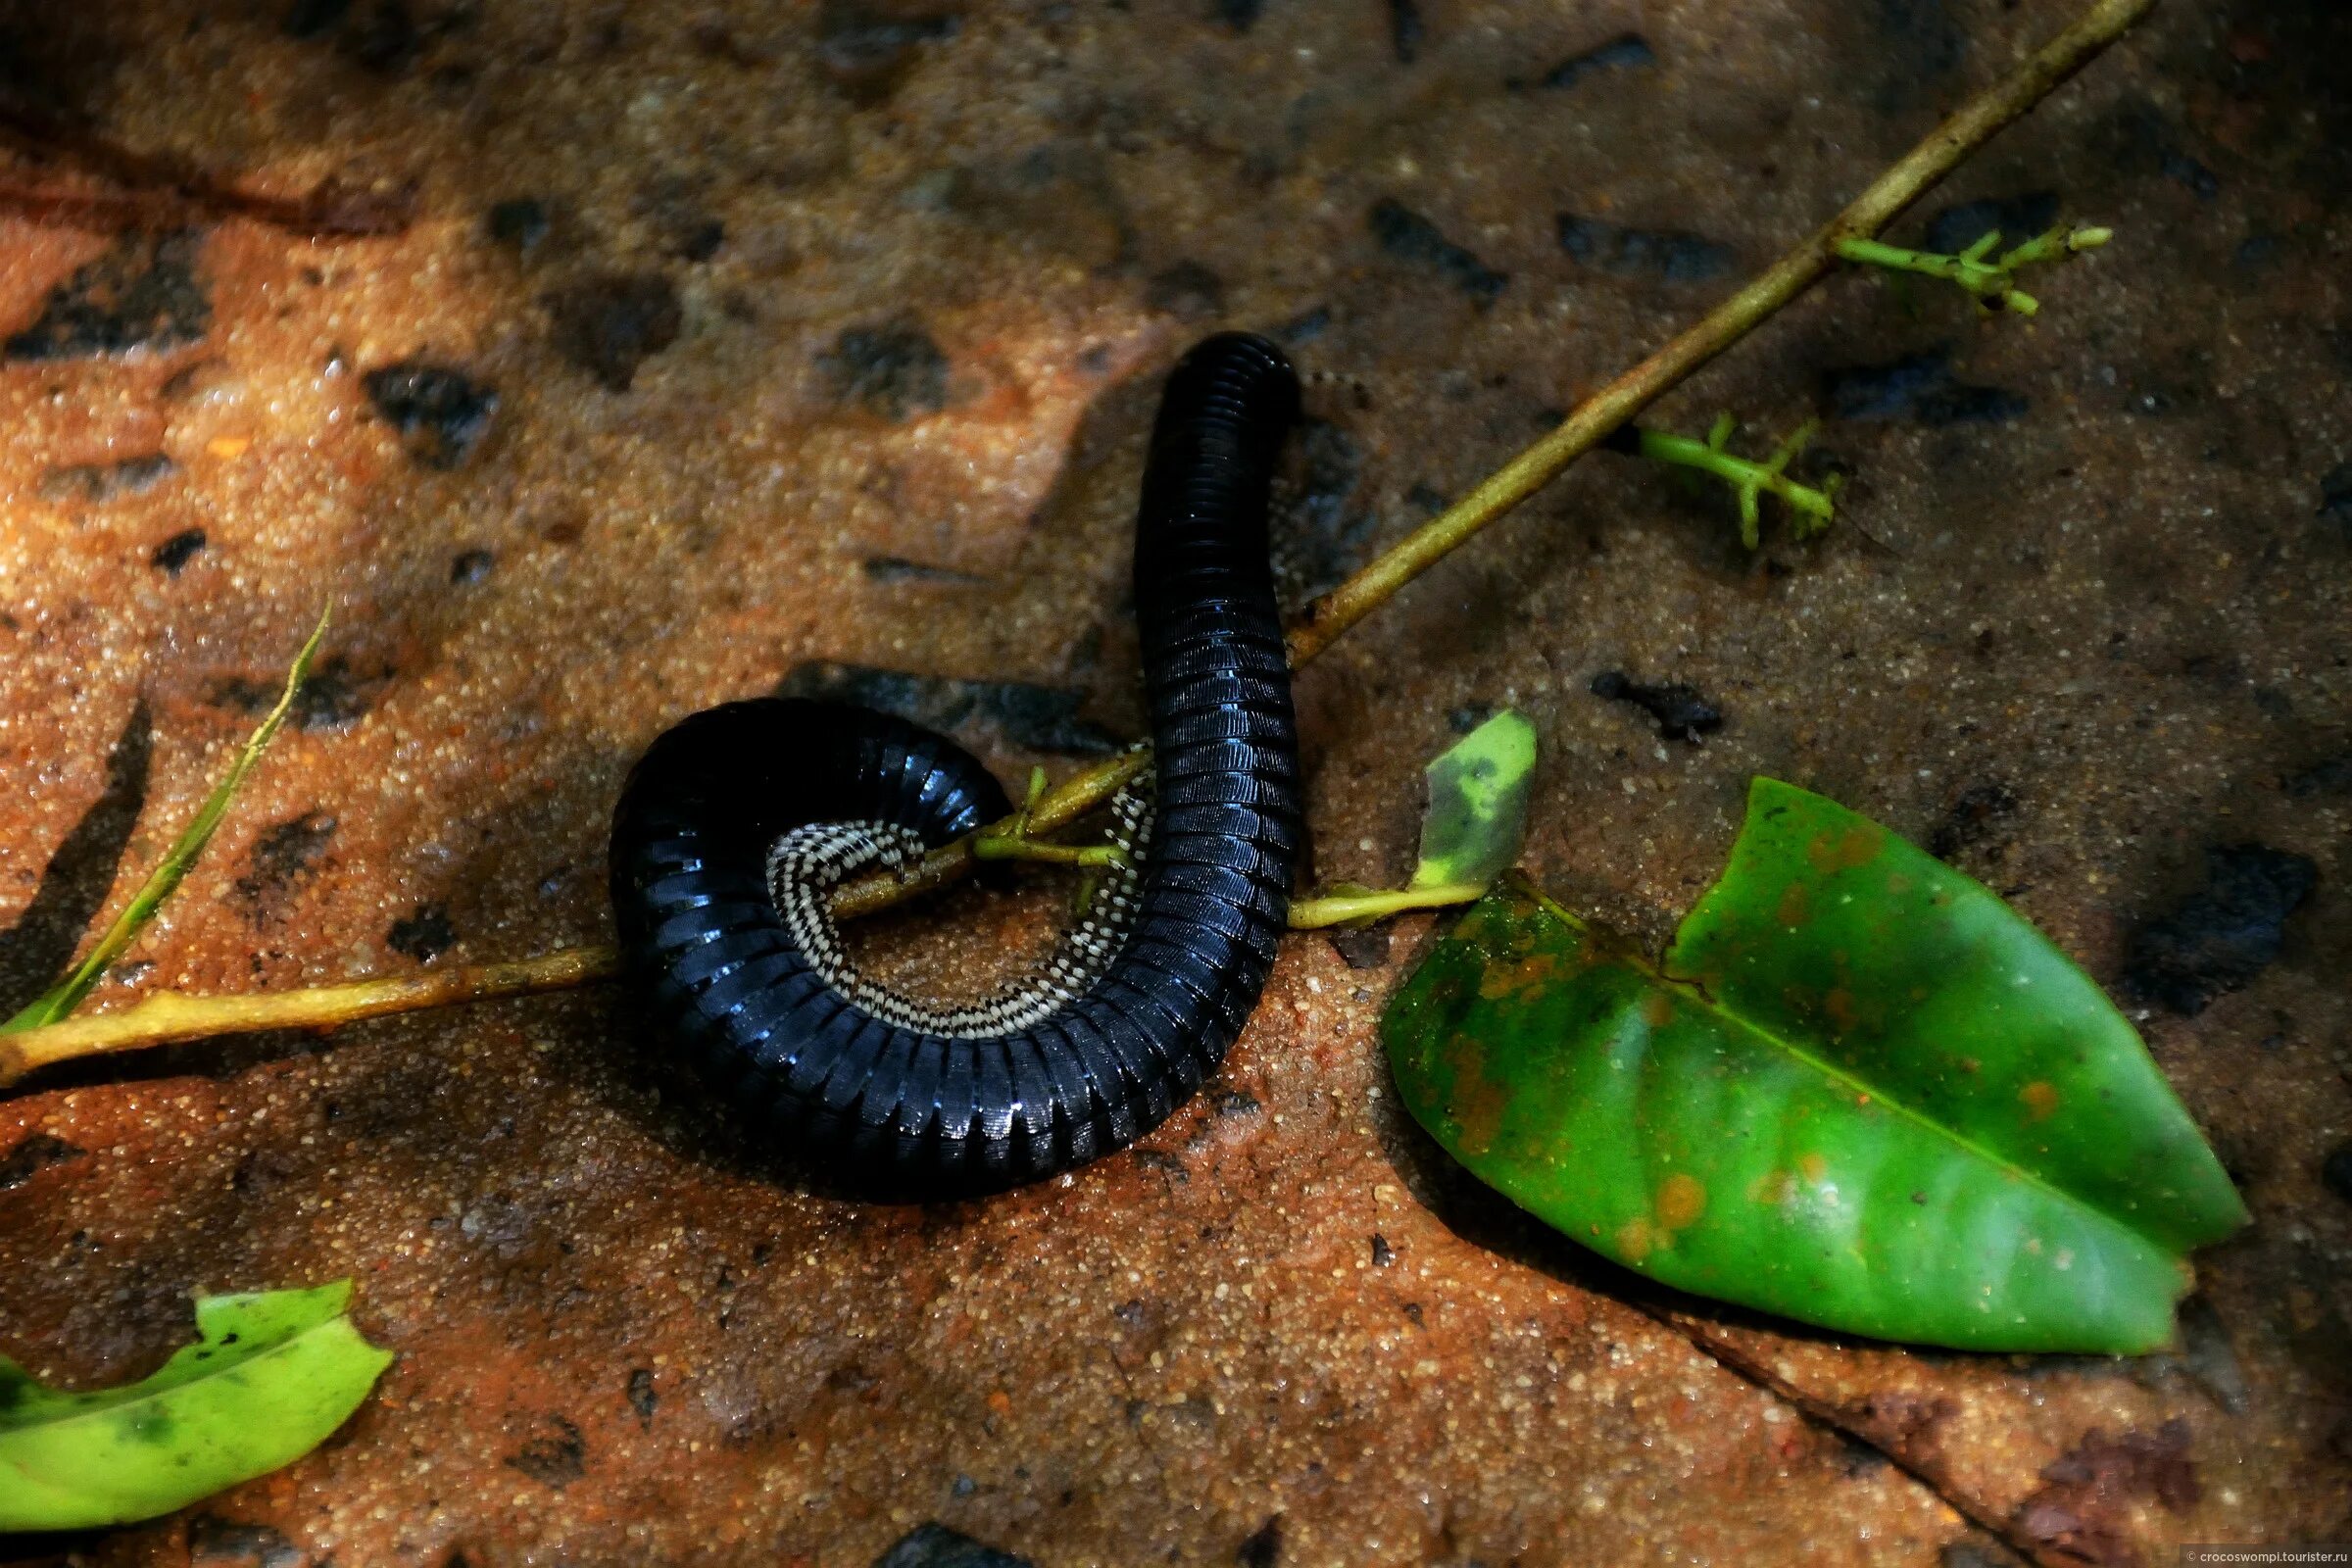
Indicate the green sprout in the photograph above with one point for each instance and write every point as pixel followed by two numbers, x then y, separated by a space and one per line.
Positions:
pixel 1810 509
pixel 1991 283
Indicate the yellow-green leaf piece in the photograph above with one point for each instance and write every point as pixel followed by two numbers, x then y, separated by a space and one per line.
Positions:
pixel 1860 1092
pixel 1477 803
pixel 269 1377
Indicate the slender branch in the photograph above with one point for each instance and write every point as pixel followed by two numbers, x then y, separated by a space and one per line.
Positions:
pixel 1313 914
pixel 172 1017
pixel 168 1017
pixel 1919 171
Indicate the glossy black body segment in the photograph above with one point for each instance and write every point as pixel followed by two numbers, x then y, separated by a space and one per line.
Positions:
pixel 722 980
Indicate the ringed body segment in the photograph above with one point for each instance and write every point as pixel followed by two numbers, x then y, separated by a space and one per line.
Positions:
pixel 736 822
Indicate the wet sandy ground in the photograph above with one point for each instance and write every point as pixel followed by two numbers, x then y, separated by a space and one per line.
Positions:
pixel 730 341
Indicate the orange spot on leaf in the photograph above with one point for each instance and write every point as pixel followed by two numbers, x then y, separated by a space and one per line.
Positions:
pixel 2040 1099
pixel 1797 905
pixel 1680 1201
pixel 1657 1010
pixel 1859 845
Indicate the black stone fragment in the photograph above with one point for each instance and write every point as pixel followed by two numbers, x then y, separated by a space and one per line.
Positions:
pixel 424 935
pixel 1626 51
pixel 1681 713
pixel 892 368
pixel 1188 291
pixel 1365 949
pixel 1235 1102
pixel 33 1156
pixel 2222 937
pixel 1410 237
pixel 1667 254
pixel 1973 818
pixel 2335 496
pixel 104 481
pixel 1919 387
pixel 1383 1254
pixel 520 222
pixel 2328 777
pixel 312 18
pixel 334 694
pixel 384 38
pixel 1263 1548
pixel 935 1546
pixel 1467 718
pixel 2335 1171
pixel 896 570
pixel 470 567
pixel 865 49
pixel 699 237
pixel 2018 219
pixel 556 1458
pixel 36 952
pixel 642 1398
pixel 178 551
pixel 2192 175
pixel 610 323
pixel 440 413
pixel 286 856
pixel 1405 30
pixel 214 1543
pixel 1238 15
pixel 143 294
pixel 1036 718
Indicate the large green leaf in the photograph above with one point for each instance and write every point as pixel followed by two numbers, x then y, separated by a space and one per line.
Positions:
pixel 1862 1092
pixel 269 1377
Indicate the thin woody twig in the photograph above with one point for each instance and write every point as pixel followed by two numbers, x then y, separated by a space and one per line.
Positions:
pixel 2100 24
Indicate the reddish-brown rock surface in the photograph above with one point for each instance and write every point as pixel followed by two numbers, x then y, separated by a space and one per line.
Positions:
pixel 730 337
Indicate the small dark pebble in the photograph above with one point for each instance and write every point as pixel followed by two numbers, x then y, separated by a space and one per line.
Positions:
pixel 143 294
pixel 1383 1254
pixel 1467 718
pixel 1918 387
pixel 896 570
pixel 699 238
pixel 1165 1164
pixel 935 1546
pixel 642 1398
pixel 424 935
pixel 440 413
pixel 2330 776
pixel 1235 1102
pixel 2335 498
pixel 610 324
pixel 1681 713
pixel 178 551
pixel 2222 937
pixel 893 370
pixel 1318 531
pixel 1238 15
pixel 1306 327
pixel 1405 30
pixel 2256 250
pixel 1188 291
pixel 2192 175
pixel 2335 1171
pixel 104 481
pixel 33 1156
pixel 1626 51
pixel 1360 948
pixel 1408 237
pixel 1972 818
pixel 556 1458
pixel 312 18
pixel 864 51
pixel 285 854
pixel 2018 219
pixel 214 1543
pixel 1263 1548
pixel 520 222
pixel 470 567
pixel 1036 718
pixel 1666 254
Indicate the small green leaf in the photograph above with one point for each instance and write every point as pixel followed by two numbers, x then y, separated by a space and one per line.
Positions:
pixel 269 1377
pixel 1861 1092
pixel 1477 803
pixel 164 879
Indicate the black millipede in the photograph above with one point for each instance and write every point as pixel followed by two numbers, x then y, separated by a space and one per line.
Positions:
pixel 736 823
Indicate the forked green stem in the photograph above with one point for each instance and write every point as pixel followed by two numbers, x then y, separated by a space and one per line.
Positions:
pixel 1993 283
pixel 1809 509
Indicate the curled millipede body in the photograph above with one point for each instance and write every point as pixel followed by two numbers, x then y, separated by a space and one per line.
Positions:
pixel 736 822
